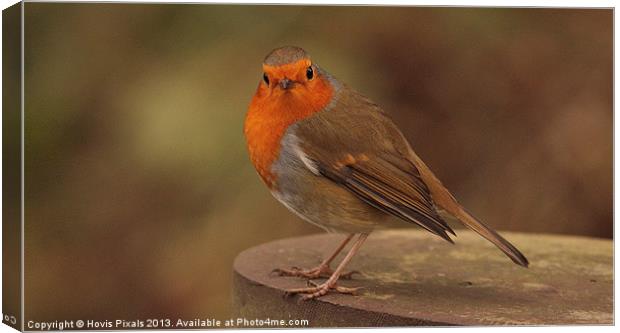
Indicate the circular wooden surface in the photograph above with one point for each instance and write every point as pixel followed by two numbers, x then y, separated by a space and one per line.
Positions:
pixel 411 277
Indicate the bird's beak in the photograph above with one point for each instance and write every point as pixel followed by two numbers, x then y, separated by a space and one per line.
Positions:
pixel 286 83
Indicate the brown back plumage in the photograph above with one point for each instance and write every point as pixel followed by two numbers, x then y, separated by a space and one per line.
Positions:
pixel 356 145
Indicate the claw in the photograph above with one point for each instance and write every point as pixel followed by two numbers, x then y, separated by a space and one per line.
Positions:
pixel 330 285
pixel 317 272
pixel 349 275
pixel 312 283
pixel 350 291
pixel 318 290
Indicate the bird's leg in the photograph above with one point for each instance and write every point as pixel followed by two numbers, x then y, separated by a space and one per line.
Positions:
pixel 318 290
pixel 322 270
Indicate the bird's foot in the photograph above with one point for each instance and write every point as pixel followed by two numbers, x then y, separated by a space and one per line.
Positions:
pixel 315 290
pixel 321 271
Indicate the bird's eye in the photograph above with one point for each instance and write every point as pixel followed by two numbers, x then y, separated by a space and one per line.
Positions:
pixel 309 73
pixel 266 78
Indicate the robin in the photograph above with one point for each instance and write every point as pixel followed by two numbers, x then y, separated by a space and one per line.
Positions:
pixel 334 157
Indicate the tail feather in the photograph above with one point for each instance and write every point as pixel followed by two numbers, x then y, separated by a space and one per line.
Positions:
pixel 491 235
pixel 445 200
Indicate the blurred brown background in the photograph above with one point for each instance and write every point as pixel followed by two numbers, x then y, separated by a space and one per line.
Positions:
pixel 139 192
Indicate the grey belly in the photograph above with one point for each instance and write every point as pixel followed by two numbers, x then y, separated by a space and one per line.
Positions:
pixel 321 202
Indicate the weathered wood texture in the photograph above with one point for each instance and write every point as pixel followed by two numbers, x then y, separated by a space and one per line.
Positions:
pixel 412 278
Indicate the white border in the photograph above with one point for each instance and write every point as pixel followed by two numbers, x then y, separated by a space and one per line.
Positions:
pixel 472 3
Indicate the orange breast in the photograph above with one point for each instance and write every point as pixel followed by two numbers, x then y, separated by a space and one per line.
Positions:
pixel 271 113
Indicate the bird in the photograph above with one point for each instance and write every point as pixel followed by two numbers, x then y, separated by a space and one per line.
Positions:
pixel 336 159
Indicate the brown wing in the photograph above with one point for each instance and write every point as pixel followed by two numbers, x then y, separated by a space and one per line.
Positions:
pixel 389 188
pixel 356 145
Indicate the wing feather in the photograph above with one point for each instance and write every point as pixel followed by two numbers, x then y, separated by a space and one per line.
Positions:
pixel 390 189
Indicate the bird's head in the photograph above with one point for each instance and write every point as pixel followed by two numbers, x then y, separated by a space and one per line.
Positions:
pixel 290 76
pixel 291 89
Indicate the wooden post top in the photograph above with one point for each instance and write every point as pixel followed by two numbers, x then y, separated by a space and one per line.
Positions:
pixel 411 277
